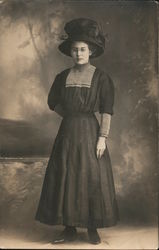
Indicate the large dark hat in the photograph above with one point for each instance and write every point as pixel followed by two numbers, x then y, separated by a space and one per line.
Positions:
pixel 85 30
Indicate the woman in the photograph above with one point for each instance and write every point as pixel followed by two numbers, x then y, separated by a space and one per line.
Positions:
pixel 78 188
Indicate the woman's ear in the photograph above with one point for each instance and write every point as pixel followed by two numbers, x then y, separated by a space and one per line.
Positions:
pixel 90 52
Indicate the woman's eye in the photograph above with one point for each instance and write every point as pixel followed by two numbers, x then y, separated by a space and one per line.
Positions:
pixel 76 50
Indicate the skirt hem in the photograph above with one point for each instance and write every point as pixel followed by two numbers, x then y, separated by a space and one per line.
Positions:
pixel 77 224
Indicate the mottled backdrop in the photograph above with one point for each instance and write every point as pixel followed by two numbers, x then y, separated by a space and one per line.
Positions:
pixel 29 60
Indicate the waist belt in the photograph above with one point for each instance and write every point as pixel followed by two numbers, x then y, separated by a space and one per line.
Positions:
pixel 79 114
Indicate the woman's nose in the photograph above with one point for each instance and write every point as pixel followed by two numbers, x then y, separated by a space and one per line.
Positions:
pixel 78 52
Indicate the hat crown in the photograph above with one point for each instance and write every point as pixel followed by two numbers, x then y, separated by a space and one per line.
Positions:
pixel 82 25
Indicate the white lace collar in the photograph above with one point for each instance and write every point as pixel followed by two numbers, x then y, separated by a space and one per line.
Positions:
pixel 82 78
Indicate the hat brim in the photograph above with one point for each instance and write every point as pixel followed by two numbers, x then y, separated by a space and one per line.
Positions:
pixel 65 46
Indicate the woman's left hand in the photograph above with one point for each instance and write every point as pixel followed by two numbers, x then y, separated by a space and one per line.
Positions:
pixel 101 146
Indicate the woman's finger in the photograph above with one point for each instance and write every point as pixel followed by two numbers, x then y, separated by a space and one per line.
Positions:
pixel 101 152
pixel 97 152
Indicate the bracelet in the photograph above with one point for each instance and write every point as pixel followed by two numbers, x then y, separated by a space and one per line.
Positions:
pixel 103 135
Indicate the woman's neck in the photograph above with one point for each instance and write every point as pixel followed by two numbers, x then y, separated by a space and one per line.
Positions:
pixel 81 67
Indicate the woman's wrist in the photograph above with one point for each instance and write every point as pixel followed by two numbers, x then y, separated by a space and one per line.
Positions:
pixel 102 137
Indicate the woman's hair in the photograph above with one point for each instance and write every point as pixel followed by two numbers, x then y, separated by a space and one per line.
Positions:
pixel 91 46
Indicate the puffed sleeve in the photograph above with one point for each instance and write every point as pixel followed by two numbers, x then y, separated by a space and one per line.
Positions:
pixel 54 93
pixel 106 95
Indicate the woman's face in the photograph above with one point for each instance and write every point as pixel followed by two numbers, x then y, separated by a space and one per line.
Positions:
pixel 80 52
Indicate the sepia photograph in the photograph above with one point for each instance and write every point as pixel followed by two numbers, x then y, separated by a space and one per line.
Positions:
pixel 79 124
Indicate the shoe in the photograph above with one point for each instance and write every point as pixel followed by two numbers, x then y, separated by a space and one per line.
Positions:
pixel 68 234
pixel 93 236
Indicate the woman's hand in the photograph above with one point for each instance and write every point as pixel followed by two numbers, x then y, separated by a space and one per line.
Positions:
pixel 101 146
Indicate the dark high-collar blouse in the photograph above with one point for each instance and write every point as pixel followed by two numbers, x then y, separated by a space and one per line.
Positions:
pixel 98 97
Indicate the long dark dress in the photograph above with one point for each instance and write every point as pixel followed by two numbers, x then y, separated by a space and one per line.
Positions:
pixel 78 188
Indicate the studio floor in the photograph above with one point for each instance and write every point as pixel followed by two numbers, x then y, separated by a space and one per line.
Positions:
pixel 118 237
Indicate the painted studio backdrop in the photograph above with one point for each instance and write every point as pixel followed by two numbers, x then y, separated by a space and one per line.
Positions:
pixel 29 60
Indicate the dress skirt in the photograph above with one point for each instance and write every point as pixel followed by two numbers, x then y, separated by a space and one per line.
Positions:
pixel 78 188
